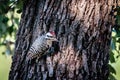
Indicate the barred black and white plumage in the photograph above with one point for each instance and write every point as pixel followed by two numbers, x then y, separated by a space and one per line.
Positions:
pixel 41 45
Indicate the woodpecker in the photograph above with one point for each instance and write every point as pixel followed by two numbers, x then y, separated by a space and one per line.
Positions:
pixel 41 45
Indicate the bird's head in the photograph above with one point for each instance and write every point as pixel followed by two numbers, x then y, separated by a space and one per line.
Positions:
pixel 51 36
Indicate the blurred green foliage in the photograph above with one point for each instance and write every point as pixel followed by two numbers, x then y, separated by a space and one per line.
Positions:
pixel 9 19
pixel 115 48
pixel 10 11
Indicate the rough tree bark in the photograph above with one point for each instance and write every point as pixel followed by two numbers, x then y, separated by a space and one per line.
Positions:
pixel 83 28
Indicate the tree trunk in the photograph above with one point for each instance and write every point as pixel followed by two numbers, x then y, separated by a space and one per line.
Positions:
pixel 83 28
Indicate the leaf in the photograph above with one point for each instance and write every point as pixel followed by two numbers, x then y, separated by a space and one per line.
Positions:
pixel 3 28
pixel 112 70
pixel 16 20
pixel 5 20
pixel 111 77
pixel 118 33
pixel 10 29
pixel 112 58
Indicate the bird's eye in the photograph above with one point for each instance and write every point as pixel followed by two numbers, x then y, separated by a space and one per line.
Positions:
pixel 49 36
